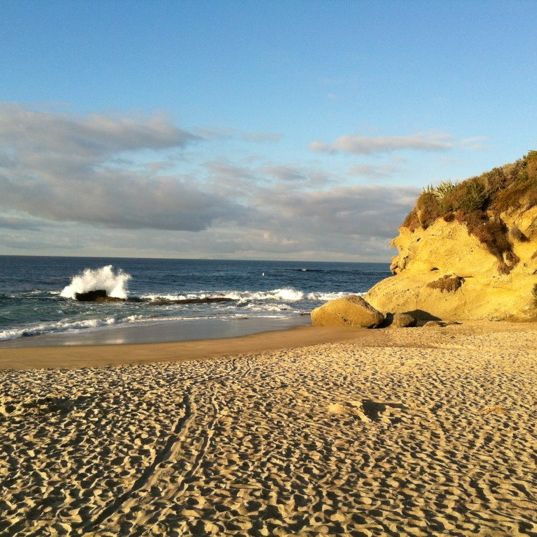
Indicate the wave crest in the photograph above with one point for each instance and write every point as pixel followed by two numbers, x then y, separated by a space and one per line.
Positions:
pixel 283 294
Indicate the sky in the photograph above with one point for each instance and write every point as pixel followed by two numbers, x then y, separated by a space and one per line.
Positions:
pixel 299 130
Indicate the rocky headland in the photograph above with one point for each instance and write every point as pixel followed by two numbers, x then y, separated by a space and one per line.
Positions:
pixel 468 250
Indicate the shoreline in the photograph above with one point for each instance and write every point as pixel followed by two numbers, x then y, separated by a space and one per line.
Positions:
pixel 159 331
pixel 107 355
pixel 79 356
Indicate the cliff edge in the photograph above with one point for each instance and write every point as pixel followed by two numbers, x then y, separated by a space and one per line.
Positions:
pixel 468 250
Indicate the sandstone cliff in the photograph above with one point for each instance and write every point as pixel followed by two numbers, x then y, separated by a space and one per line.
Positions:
pixel 469 250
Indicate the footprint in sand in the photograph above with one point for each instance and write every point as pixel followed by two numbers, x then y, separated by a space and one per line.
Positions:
pixel 368 410
pixel 496 409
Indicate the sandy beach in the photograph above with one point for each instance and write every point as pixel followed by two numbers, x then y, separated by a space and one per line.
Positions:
pixel 424 431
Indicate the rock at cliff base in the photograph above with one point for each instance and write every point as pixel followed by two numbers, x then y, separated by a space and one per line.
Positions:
pixel 350 310
pixel 403 320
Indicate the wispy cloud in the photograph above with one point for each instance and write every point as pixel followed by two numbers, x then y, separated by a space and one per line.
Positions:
pixel 261 137
pixel 475 143
pixel 15 222
pixel 250 177
pixel 219 133
pixel 374 171
pixel 285 173
pixel 367 145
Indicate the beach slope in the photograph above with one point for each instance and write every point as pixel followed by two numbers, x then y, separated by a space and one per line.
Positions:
pixel 425 431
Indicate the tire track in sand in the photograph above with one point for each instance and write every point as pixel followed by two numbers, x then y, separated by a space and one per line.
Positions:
pixel 149 472
pixel 124 503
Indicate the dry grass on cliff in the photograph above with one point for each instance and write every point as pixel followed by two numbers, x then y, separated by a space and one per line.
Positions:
pixel 478 203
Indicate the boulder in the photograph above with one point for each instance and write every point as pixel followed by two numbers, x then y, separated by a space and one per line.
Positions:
pixel 403 320
pixel 350 310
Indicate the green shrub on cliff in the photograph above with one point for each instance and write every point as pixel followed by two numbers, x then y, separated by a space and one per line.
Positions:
pixel 479 202
pixel 444 190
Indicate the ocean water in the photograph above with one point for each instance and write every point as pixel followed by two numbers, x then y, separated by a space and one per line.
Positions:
pixel 37 294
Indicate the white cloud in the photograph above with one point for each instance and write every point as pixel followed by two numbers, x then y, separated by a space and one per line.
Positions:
pixel 216 133
pixel 374 171
pixel 367 145
pixel 366 211
pixel 61 168
pixel 86 137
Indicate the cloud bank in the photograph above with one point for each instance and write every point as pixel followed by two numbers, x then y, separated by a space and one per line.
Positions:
pixel 124 185
pixel 61 168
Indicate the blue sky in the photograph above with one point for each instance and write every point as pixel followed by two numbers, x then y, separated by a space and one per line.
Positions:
pixel 327 101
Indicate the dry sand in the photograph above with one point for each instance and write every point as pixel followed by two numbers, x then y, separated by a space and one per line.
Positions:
pixel 428 431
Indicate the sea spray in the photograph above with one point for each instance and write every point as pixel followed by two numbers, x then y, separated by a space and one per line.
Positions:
pixel 114 283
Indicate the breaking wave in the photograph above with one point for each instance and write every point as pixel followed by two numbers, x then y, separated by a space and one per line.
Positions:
pixel 114 283
pixel 58 327
pixel 284 294
pixel 54 327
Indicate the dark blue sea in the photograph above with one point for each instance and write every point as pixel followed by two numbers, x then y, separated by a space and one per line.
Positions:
pixel 37 294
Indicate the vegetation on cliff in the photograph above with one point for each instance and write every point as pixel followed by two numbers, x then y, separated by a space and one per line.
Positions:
pixel 479 203
pixel 468 250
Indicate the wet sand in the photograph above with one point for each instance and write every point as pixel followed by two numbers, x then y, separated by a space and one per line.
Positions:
pixel 426 431
pixel 78 356
pixel 160 332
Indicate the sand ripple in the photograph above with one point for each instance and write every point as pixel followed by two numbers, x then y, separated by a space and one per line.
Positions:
pixel 335 439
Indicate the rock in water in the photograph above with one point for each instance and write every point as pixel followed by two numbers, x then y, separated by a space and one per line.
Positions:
pixel 98 295
pixel 350 310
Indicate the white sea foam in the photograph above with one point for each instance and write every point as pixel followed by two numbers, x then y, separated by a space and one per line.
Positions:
pixel 54 327
pixel 273 303
pixel 171 298
pixel 267 307
pixel 284 294
pixel 114 283
pixel 324 297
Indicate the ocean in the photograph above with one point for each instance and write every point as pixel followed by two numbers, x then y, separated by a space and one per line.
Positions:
pixel 37 294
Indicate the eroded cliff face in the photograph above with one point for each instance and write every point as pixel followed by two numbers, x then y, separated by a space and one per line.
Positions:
pixel 446 271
